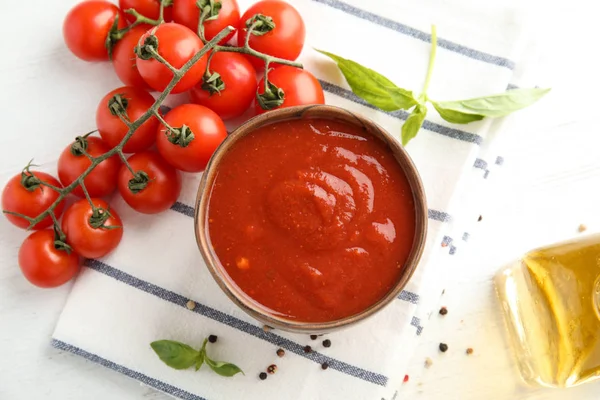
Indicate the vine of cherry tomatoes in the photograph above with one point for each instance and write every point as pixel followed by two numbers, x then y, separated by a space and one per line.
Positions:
pixel 222 85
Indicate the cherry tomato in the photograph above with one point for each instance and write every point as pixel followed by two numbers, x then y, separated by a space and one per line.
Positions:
pixel 177 45
pixel 284 41
pixel 43 264
pixel 148 8
pixel 299 85
pixel 85 239
pixel 31 200
pixel 162 190
pixel 102 181
pixel 208 130
pixel 87 26
pixel 186 12
pixel 113 130
pixel 124 61
pixel 239 78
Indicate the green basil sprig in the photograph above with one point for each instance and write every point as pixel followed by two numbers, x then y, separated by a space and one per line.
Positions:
pixel 382 93
pixel 181 356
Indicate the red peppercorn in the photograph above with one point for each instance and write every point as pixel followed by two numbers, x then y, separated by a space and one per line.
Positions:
pixel 405 378
pixel 272 369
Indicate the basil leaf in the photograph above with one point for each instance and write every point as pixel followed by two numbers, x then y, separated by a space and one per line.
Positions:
pixel 199 360
pixel 413 123
pixel 456 117
pixel 175 354
pixel 496 105
pixel 223 368
pixel 373 87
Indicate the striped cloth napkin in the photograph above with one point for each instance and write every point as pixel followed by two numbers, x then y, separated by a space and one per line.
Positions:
pixel 139 293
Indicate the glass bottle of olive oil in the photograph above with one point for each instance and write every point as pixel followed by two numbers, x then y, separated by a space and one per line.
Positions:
pixel 551 299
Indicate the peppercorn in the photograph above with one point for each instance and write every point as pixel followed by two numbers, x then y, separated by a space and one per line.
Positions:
pixel 280 352
pixel 443 347
pixel 469 351
pixel 480 218
pixel 212 338
pixel 324 366
pixel 307 349
pixel 190 305
pixel 443 311
pixel 313 337
pixel 428 362
pixel 326 343
pixel 405 378
pixel 272 369
pixel 262 376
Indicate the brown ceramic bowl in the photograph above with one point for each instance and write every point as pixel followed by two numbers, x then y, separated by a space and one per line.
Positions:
pixel 221 276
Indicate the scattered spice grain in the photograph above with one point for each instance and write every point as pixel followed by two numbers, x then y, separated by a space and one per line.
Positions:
pixel 212 338
pixel 443 347
pixel 272 369
pixel 280 352
pixel 326 343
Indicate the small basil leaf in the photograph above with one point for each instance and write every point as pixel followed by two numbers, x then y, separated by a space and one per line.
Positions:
pixel 199 360
pixel 175 354
pixel 496 105
pixel 413 123
pixel 223 368
pixel 456 117
pixel 372 86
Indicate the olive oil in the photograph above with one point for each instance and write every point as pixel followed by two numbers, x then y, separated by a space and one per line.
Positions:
pixel 550 298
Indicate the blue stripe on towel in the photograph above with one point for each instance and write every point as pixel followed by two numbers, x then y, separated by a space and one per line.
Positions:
pixel 401 114
pixel 155 383
pixel 416 322
pixel 236 323
pixel 417 34
pixel 409 297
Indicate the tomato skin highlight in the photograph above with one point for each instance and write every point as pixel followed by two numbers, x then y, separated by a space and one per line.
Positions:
pixel 148 8
pixel 42 264
pixel 239 77
pixel 299 85
pixel 86 28
pixel 286 40
pixel 185 12
pixel 208 129
pixel 124 60
pixel 17 199
pixel 177 45
pixel 85 240
pixel 102 181
pixel 113 130
pixel 162 190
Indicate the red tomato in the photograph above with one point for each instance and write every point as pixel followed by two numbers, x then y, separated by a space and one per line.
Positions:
pixel 102 181
pixel 31 202
pixel 43 264
pixel 148 8
pixel 113 130
pixel 299 85
pixel 176 44
pixel 123 58
pixel 208 129
pixel 83 237
pixel 164 184
pixel 87 26
pixel 284 41
pixel 186 12
pixel 239 78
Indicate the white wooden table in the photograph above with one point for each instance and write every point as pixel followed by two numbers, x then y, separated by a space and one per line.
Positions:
pixel 547 187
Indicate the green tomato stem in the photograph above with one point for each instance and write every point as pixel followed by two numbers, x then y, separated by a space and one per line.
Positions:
pixel 432 54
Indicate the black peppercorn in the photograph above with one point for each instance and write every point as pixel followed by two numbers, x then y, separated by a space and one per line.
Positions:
pixel 212 338
pixel 280 352
pixel 443 347
pixel 262 376
pixel 313 337
pixel 272 369
pixel 324 365
pixel 307 349
pixel 326 343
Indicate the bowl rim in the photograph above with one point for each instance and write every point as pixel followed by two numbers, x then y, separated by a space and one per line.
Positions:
pixel 230 288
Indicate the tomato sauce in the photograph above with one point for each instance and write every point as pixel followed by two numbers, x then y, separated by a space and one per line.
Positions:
pixel 312 218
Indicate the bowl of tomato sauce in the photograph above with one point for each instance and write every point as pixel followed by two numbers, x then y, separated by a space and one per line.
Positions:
pixel 311 218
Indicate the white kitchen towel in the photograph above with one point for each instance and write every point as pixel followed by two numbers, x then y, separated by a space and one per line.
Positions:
pixel 139 293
